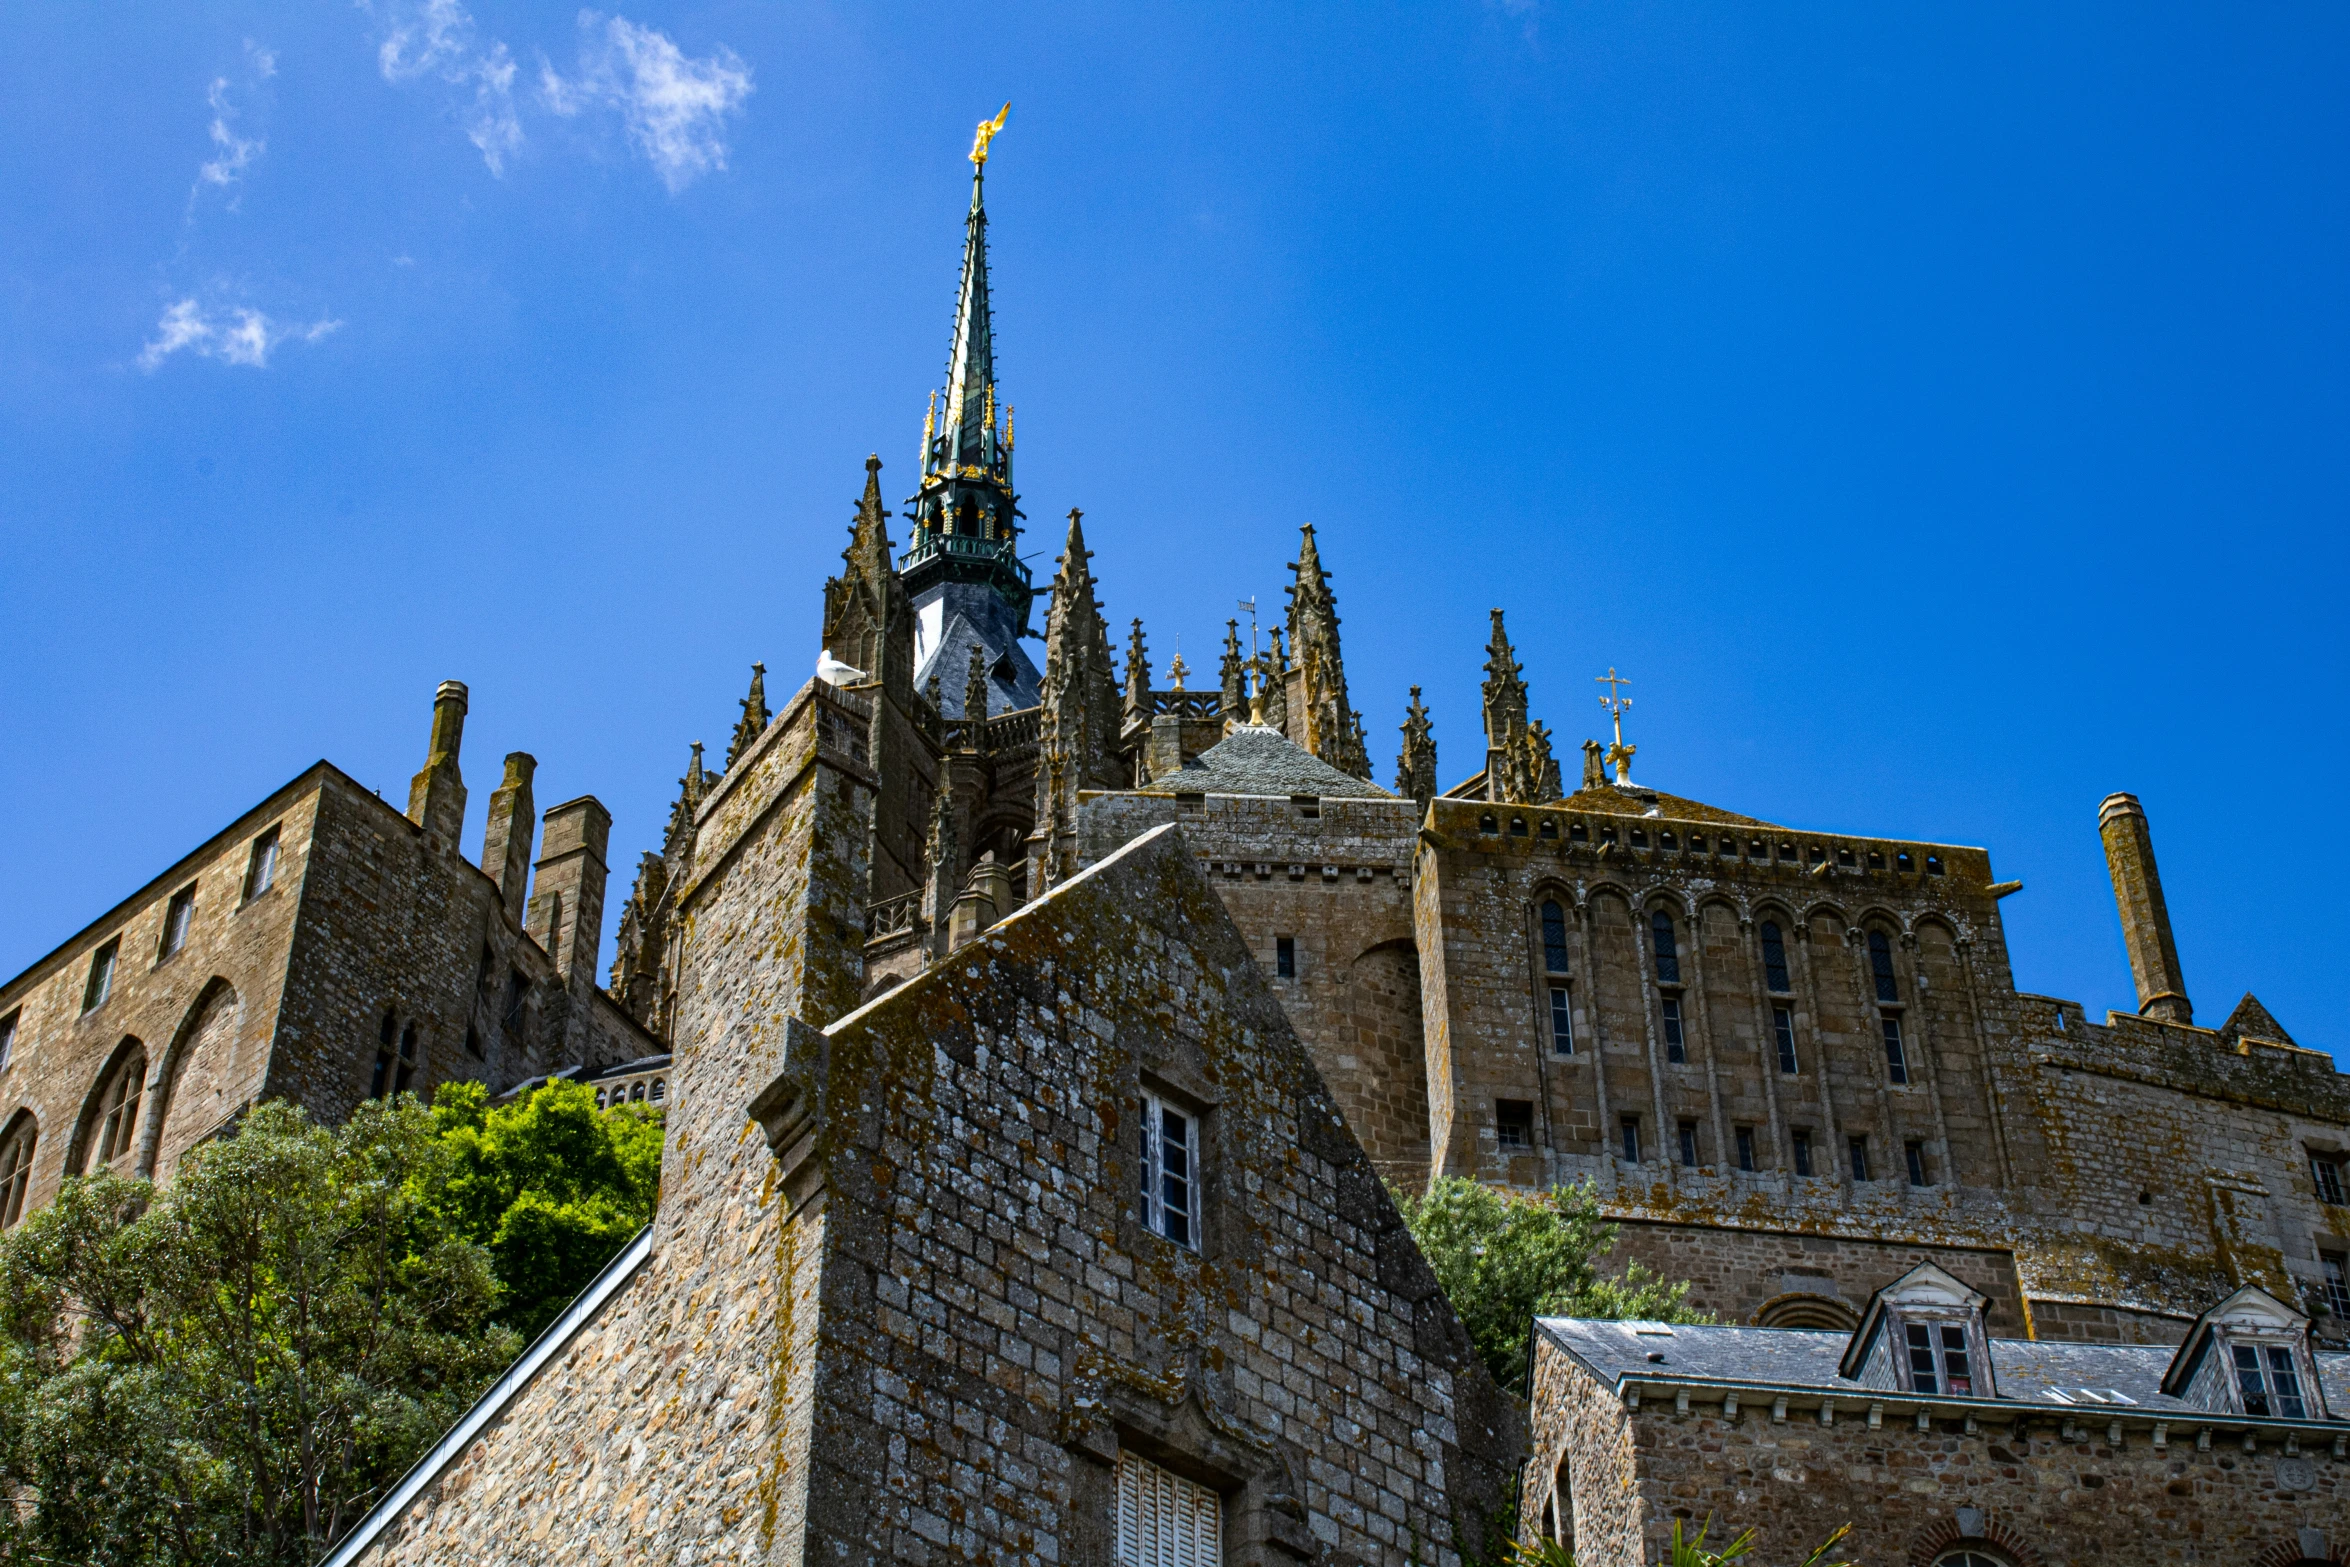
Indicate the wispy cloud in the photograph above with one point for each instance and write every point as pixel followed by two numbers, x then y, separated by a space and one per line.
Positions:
pixel 436 40
pixel 673 106
pixel 234 153
pixel 236 335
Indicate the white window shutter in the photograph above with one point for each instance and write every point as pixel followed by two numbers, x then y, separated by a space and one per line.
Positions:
pixel 1165 1520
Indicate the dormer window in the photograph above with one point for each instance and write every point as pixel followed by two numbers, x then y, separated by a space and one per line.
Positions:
pixel 1923 1333
pixel 2267 1382
pixel 1938 1359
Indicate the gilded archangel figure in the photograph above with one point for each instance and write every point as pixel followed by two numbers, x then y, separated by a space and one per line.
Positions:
pixel 987 133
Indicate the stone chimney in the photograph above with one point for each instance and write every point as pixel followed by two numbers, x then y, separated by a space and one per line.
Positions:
pixel 567 913
pixel 505 843
pixel 436 796
pixel 2137 888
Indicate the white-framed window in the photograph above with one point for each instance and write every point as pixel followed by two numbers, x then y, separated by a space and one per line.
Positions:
pixel 2337 1285
pixel 16 1169
pixel 1938 1358
pixel 2268 1381
pixel 1170 1171
pixel 1165 1520
pixel 118 1111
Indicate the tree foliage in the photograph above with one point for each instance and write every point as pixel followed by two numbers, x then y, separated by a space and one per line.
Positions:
pixel 231 1369
pixel 1689 1551
pixel 551 1185
pixel 1504 1259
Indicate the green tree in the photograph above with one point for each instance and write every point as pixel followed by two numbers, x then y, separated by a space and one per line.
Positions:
pixel 1683 1552
pixel 551 1185
pixel 232 1369
pixel 1504 1259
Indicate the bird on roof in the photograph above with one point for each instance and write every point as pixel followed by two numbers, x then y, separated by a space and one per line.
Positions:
pixel 833 672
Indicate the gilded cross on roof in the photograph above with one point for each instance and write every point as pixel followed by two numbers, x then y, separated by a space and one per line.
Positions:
pixel 1617 705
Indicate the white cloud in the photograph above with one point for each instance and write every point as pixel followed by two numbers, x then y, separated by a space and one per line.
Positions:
pixel 236 153
pixel 436 40
pixel 672 105
pixel 237 336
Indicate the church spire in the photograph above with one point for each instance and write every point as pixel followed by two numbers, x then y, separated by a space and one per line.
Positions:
pixel 1321 720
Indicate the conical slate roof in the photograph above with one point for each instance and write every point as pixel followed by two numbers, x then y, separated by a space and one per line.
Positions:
pixel 1259 759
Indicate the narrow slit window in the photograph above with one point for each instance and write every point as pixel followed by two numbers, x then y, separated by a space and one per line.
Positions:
pixel 1774 950
pixel 1802 1153
pixel 1783 1026
pixel 1746 1148
pixel 1675 1049
pixel 1562 1021
pixel 1914 1154
pixel 178 918
pixel 261 869
pixel 407 1073
pixel 1631 1133
pixel 100 984
pixel 1668 955
pixel 381 1081
pixel 1688 1131
pixel 8 1036
pixel 1170 1181
pixel 1858 1148
pixel 1285 956
pixel 1554 938
pixel 1881 966
pixel 1896 1054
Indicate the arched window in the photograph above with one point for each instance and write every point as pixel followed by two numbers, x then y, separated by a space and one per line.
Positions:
pixel 1970 1558
pixel 118 1111
pixel 1554 938
pixel 660 1091
pixel 1775 959
pixel 1881 965
pixel 407 1059
pixel 1668 955
pixel 16 1169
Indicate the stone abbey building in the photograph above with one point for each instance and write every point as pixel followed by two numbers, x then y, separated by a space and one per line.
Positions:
pixel 1040 1040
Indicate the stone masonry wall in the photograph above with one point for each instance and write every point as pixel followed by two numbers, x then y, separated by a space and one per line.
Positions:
pixel 2047 1496
pixel 997 1325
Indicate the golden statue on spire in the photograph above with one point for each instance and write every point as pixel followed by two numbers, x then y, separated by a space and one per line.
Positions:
pixel 987 133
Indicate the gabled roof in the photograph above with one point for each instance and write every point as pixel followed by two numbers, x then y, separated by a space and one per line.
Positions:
pixel 1924 1285
pixel 2251 1309
pixel 1259 759
pixel 2252 1020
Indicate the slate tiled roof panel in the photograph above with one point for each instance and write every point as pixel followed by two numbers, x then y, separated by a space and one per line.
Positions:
pixel 1258 759
pixel 2058 1376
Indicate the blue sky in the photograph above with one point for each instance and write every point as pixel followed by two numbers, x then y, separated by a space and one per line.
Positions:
pixel 1940 416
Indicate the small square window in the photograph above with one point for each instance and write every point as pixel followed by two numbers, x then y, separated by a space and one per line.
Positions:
pixel 178 916
pixel 1914 1154
pixel 1844 856
pixel 1933 864
pixel 1517 826
pixel 1578 833
pixel 1818 855
pixel 1665 840
pixel 1858 1148
pixel 1309 806
pixel 1513 1123
pixel 1285 956
pixel 1802 1140
pixel 1487 824
pixel 261 869
pixel 1876 859
pixel 1548 832
pixel 1688 1136
pixel 1902 862
pixel 1639 837
pixel 2325 1171
pixel 1170 1172
pixel 1758 850
pixel 1630 1128
pixel 1746 1148
pixel 1607 834
pixel 1787 854
pixel 100 984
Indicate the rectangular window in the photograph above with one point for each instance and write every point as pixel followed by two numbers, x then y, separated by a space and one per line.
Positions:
pixel 1783 1025
pixel 1802 1153
pixel 1688 1131
pixel 1562 1021
pixel 100 984
pixel 8 1036
pixel 1631 1129
pixel 1922 1378
pixel 2327 1173
pixel 261 869
pixel 1554 939
pixel 1674 1049
pixel 2336 1265
pixel 2284 1383
pixel 1746 1148
pixel 2270 1389
pixel 1170 1158
pixel 1957 1377
pixel 1285 956
pixel 1896 1057
pixel 1858 1147
pixel 1513 1123
pixel 1774 951
pixel 178 916
pixel 1915 1155
pixel 1164 1520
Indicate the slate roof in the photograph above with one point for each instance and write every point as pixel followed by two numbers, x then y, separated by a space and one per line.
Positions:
pixel 1259 759
pixel 2054 1376
pixel 951 660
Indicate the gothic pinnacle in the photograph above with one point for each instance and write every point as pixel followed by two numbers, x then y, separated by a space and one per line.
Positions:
pixel 754 720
